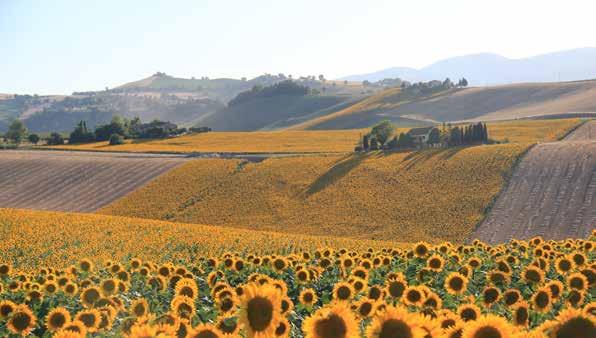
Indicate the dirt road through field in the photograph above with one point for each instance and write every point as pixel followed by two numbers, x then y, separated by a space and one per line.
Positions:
pixel 551 192
pixel 74 181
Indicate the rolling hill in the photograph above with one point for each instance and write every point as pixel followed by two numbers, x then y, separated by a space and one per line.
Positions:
pixel 492 69
pixel 475 103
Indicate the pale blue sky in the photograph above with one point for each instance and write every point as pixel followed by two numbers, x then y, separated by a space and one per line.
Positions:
pixel 56 47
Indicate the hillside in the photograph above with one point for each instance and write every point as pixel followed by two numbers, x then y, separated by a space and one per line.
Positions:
pixel 74 181
pixel 310 141
pixel 373 196
pixel 63 237
pixel 551 193
pixel 476 103
pixel 492 69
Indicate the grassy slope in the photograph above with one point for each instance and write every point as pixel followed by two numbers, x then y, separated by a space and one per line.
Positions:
pixel 311 141
pixel 483 103
pixel 429 195
pixel 63 238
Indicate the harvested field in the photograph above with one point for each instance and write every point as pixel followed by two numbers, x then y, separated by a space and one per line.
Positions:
pixel 551 192
pixel 68 181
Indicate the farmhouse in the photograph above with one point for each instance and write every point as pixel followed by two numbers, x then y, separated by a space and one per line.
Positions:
pixel 420 136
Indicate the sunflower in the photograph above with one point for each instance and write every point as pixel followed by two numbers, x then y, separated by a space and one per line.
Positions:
pixel 279 264
pixel 447 319
pixel 187 287
pixel 139 307
pixel 413 295
pixel 283 328
pixel 489 326
pixel 490 295
pixel 343 291
pixel 91 318
pixel 228 325
pixel 579 258
pixel 22 321
pixel 575 298
pixel 74 327
pixel 85 265
pixel 395 322
pixel 358 284
pixel 260 310
pixel 435 263
pixel 308 298
pixel 182 307
pixel 556 289
pixel 302 276
pixel 286 305
pixel 375 292
pixel 533 275
pixel 577 281
pixel 421 249
pixel 204 331
pixel 395 287
pixel 6 308
pixel 226 306
pixel 365 308
pixel 541 300
pixel 520 314
pixel 468 312
pixel 573 323
pixel 454 331
pixel 456 283
pixel 474 262
pixel 108 287
pixel 563 265
pixel 67 334
pixel 433 301
pixel 50 287
pixel 362 271
pixel 332 321
pixel 57 318
pixel 511 296
pixel 498 278
pixel 90 296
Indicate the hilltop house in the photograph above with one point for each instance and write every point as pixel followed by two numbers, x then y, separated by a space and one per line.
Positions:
pixel 420 136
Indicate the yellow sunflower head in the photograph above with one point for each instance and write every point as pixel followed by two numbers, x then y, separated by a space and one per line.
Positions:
pixel 468 312
pixel 57 318
pixel 456 283
pixel 260 310
pixel 91 318
pixel 22 321
pixel 308 297
pixel 395 322
pixel 541 300
pixel 343 291
pixel 489 326
pixel 332 321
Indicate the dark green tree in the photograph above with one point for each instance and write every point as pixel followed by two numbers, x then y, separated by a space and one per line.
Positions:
pixel 33 138
pixel 55 139
pixel 382 131
pixel 435 136
pixel 16 131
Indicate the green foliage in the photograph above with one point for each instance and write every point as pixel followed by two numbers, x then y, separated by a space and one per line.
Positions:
pixel 382 131
pixel 116 139
pixel 435 136
pixel 55 139
pixel 33 138
pixel 118 125
pixel 16 131
pixel 81 134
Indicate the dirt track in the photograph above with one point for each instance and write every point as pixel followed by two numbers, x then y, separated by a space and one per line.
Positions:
pixel 551 192
pixel 74 181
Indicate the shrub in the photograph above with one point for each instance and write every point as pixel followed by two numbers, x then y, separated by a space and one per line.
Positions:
pixel 55 139
pixel 116 139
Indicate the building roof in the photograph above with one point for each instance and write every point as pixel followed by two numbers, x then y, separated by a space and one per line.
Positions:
pixel 420 131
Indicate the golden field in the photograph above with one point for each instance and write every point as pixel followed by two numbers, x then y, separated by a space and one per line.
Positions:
pixel 59 238
pixel 326 141
pixel 432 195
pixel 78 275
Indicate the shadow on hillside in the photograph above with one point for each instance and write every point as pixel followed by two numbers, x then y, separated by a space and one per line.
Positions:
pixel 340 169
pixel 422 156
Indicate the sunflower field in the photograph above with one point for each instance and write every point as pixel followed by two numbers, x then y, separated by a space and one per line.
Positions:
pixel 532 288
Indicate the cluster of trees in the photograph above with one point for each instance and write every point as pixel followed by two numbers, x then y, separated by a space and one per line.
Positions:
pixel 120 129
pixel 287 87
pixel 382 136
pixel 470 134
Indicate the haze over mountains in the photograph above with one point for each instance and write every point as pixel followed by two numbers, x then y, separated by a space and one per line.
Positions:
pixel 493 69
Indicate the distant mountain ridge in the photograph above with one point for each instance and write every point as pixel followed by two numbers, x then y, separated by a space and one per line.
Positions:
pixel 493 69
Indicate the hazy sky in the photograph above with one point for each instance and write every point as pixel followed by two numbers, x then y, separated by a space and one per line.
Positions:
pixel 56 47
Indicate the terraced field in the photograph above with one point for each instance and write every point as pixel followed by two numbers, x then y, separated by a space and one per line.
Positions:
pixel 551 193
pixel 72 181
